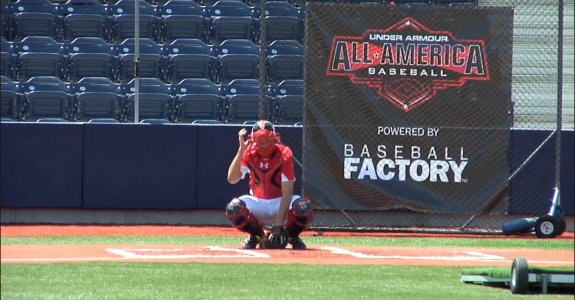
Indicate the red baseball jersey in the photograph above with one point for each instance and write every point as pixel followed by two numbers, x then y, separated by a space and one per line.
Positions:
pixel 267 174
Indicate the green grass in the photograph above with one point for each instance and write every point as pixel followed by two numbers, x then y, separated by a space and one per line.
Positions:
pixel 505 272
pixel 545 244
pixel 174 281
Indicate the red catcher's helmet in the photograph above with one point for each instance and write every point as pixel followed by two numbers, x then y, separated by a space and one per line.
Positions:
pixel 263 129
pixel 264 137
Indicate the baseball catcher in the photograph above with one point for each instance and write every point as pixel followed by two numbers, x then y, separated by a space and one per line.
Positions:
pixel 271 170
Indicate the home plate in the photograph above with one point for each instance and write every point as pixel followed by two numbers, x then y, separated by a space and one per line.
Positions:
pixel 416 254
pixel 204 252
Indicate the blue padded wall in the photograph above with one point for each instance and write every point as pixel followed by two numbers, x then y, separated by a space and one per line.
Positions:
pixel 136 166
pixel 41 165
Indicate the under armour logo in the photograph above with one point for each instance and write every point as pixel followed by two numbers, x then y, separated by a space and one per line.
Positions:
pixel 264 166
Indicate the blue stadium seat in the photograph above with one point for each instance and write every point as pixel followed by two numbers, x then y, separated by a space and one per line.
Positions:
pixel 39 56
pixel 124 18
pixel 285 47
pixel 46 97
pixel 287 87
pixel 154 100
pixel 237 59
pixel 11 99
pixel 366 1
pixel 197 99
pixel 243 108
pixel 282 67
pixel 231 20
pixel 456 2
pixel 8 59
pixel 84 18
pixel 152 62
pixel 96 98
pixel 189 58
pixel 290 109
pixel 413 2
pixel 51 120
pixel 35 18
pixel 90 57
pixel 182 19
pixel 103 120
pixel 206 122
pixel 242 86
pixel 155 121
pixel 283 22
pixel 6 24
pixel 34 6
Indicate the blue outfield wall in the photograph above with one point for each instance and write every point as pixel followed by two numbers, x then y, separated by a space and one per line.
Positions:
pixel 184 166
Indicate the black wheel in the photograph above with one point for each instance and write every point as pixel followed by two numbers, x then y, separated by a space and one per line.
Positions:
pixel 561 216
pixel 562 226
pixel 519 276
pixel 547 227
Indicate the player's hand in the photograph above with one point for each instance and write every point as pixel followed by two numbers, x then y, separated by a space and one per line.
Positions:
pixel 242 138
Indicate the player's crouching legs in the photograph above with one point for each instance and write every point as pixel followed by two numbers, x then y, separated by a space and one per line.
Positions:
pixel 300 217
pixel 242 219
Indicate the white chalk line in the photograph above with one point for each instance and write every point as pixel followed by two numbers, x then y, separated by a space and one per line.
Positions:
pixel 476 255
pixel 133 253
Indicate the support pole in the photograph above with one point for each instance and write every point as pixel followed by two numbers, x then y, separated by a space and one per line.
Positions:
pixel 137 62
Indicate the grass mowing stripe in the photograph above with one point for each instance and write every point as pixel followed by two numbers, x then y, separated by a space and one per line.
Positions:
pixel 175 281
pixel 544 244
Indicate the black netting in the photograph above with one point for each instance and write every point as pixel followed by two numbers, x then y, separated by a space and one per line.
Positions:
pixel 430 116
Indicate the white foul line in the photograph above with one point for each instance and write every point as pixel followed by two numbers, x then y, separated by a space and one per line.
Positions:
pixel 477 255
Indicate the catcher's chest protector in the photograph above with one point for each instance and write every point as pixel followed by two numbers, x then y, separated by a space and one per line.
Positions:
pixel 265 178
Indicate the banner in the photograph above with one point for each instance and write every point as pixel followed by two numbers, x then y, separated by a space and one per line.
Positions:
pixel 407 107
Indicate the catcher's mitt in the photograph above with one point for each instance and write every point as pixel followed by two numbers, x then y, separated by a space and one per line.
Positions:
pixel 277 239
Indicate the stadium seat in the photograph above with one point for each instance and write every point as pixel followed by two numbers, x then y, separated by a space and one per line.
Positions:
pixel 45 97
pixel 152 63
pixel 413 2
pixel 237 59
pixel 7 120
pixel 243 108
pixel 189 58
pixel 206 122
pixel 287 87
pixel 155 121
pixel 284 47
pixel 155 101
pixel 96 98
pixel 282 67
pixel 283 21
pixel 250 123
pixel 197 99
pixel 6 29
pixel 456 2
pixel 51 120
pixel 84 18
pixel 39 56
pixel 11 99
pixel 242 86
pixel 35 18
pixel 124 18
pixel 8 59
pixel 290 109
pixel 90 57
pixel 182 19
pixel 231 20
pixel 366 1
pixel 103 120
